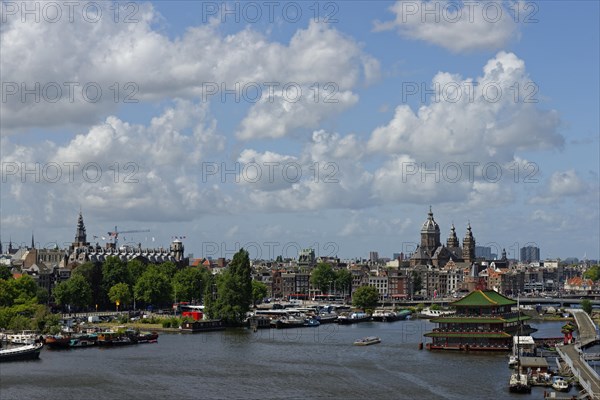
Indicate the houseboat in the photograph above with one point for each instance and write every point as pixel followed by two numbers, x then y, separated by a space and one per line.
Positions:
pixel 353 318
pixel 202 326
pixel 390 316
pixel 484 320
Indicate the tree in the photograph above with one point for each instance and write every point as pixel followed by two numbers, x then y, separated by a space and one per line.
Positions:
pixel 153 287
pixel 234 290
pixel 5 273
pixel 365 297
pixel 586 305
pixel 76 292
pixel 188 284
pixel 114 271
pixel 120 293
pixel 81 292
pixel 259 291
pixel 92 272
pixel 417 282
pixel 322 277
pixel 136 269
pixel 343 280
pixel 168 268
pixel 593 273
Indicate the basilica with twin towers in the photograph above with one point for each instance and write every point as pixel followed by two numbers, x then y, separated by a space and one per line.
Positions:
pixel 432 252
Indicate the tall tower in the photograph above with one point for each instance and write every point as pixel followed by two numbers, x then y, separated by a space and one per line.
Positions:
pixel 430 234
pixel 469 245
pixel 452 241
pixel 80 236
pixel 177 249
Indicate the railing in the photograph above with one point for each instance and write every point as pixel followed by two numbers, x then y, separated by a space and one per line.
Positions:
pixel 576 372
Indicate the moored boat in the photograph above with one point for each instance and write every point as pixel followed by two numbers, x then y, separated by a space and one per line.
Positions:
pixel 83 341
pixel 57 341
pixel 288 322
pixel 25 337
pixel 311 322
pixel 147 337
pixel 518 383
pixel 366 341
pixel 428 313
pixel 202 326
pixel 390 316
pixel 110 338
pixel 353 318
pixel 26 352
pixel 560 384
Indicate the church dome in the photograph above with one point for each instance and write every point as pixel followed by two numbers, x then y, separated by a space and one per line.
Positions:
pixel 430 225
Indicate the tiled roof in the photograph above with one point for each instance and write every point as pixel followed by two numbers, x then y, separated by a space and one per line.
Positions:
pixel 485 298
pixel 489 335
pixel 476 320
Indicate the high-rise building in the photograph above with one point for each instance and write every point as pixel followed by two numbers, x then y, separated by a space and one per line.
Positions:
pixel 530 254
pixel 484 252
pixel 373 256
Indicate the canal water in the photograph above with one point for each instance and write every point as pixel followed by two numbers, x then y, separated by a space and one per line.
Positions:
pixel 305 363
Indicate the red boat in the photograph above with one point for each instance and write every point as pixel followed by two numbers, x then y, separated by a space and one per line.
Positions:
pixel 57 341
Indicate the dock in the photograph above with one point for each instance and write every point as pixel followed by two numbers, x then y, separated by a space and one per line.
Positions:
pixel 574 357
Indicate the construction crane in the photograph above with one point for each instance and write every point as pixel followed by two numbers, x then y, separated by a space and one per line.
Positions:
pixel 115 234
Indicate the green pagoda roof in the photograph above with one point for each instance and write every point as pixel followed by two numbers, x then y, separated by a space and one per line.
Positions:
pixel 477 320
pixel 483 298
pixel 489 335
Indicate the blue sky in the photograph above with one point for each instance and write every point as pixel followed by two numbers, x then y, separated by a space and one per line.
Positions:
pixel 373 146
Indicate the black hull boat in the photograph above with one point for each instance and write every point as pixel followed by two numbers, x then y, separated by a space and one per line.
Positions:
pixel 27 352
pixel 203 326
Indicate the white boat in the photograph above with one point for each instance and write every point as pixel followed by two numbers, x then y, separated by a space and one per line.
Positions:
pixel 366 341
pixel 518 383
pixel 429 313
pixel 560 384
pixel 26 352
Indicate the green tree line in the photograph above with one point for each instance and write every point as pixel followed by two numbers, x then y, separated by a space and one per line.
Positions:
pixel 103 285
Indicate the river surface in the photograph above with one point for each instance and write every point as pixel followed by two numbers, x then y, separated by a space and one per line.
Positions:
pixel 305 363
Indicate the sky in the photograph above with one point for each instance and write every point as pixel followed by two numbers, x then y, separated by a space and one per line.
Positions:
pixel 277 126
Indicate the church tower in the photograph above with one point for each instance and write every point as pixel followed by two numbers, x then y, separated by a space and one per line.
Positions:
pixel 80 236
pixel 430 234
pixel 452 241
pixel 469 246
pixel 177 249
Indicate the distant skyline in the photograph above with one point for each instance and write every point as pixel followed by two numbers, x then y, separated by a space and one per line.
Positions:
pixel 288 125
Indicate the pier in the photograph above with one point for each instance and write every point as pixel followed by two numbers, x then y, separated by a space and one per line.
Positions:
pixel 574 356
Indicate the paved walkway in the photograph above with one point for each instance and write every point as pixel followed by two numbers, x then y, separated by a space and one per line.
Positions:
pixel 572 355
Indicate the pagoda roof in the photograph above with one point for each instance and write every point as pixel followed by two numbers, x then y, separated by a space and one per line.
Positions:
pixel 487 335
pixel 477 320
pixel 484 298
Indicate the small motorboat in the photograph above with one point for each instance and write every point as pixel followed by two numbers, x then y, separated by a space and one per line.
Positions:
pixel 560 384
pixel 366 341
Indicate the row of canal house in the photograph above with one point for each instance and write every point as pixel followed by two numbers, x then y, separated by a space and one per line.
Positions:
pixel 484 320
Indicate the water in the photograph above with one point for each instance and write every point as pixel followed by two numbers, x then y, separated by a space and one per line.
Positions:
pixel 305 363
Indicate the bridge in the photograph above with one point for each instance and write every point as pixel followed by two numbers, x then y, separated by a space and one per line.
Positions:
pixel 574 357
pixel 562 301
